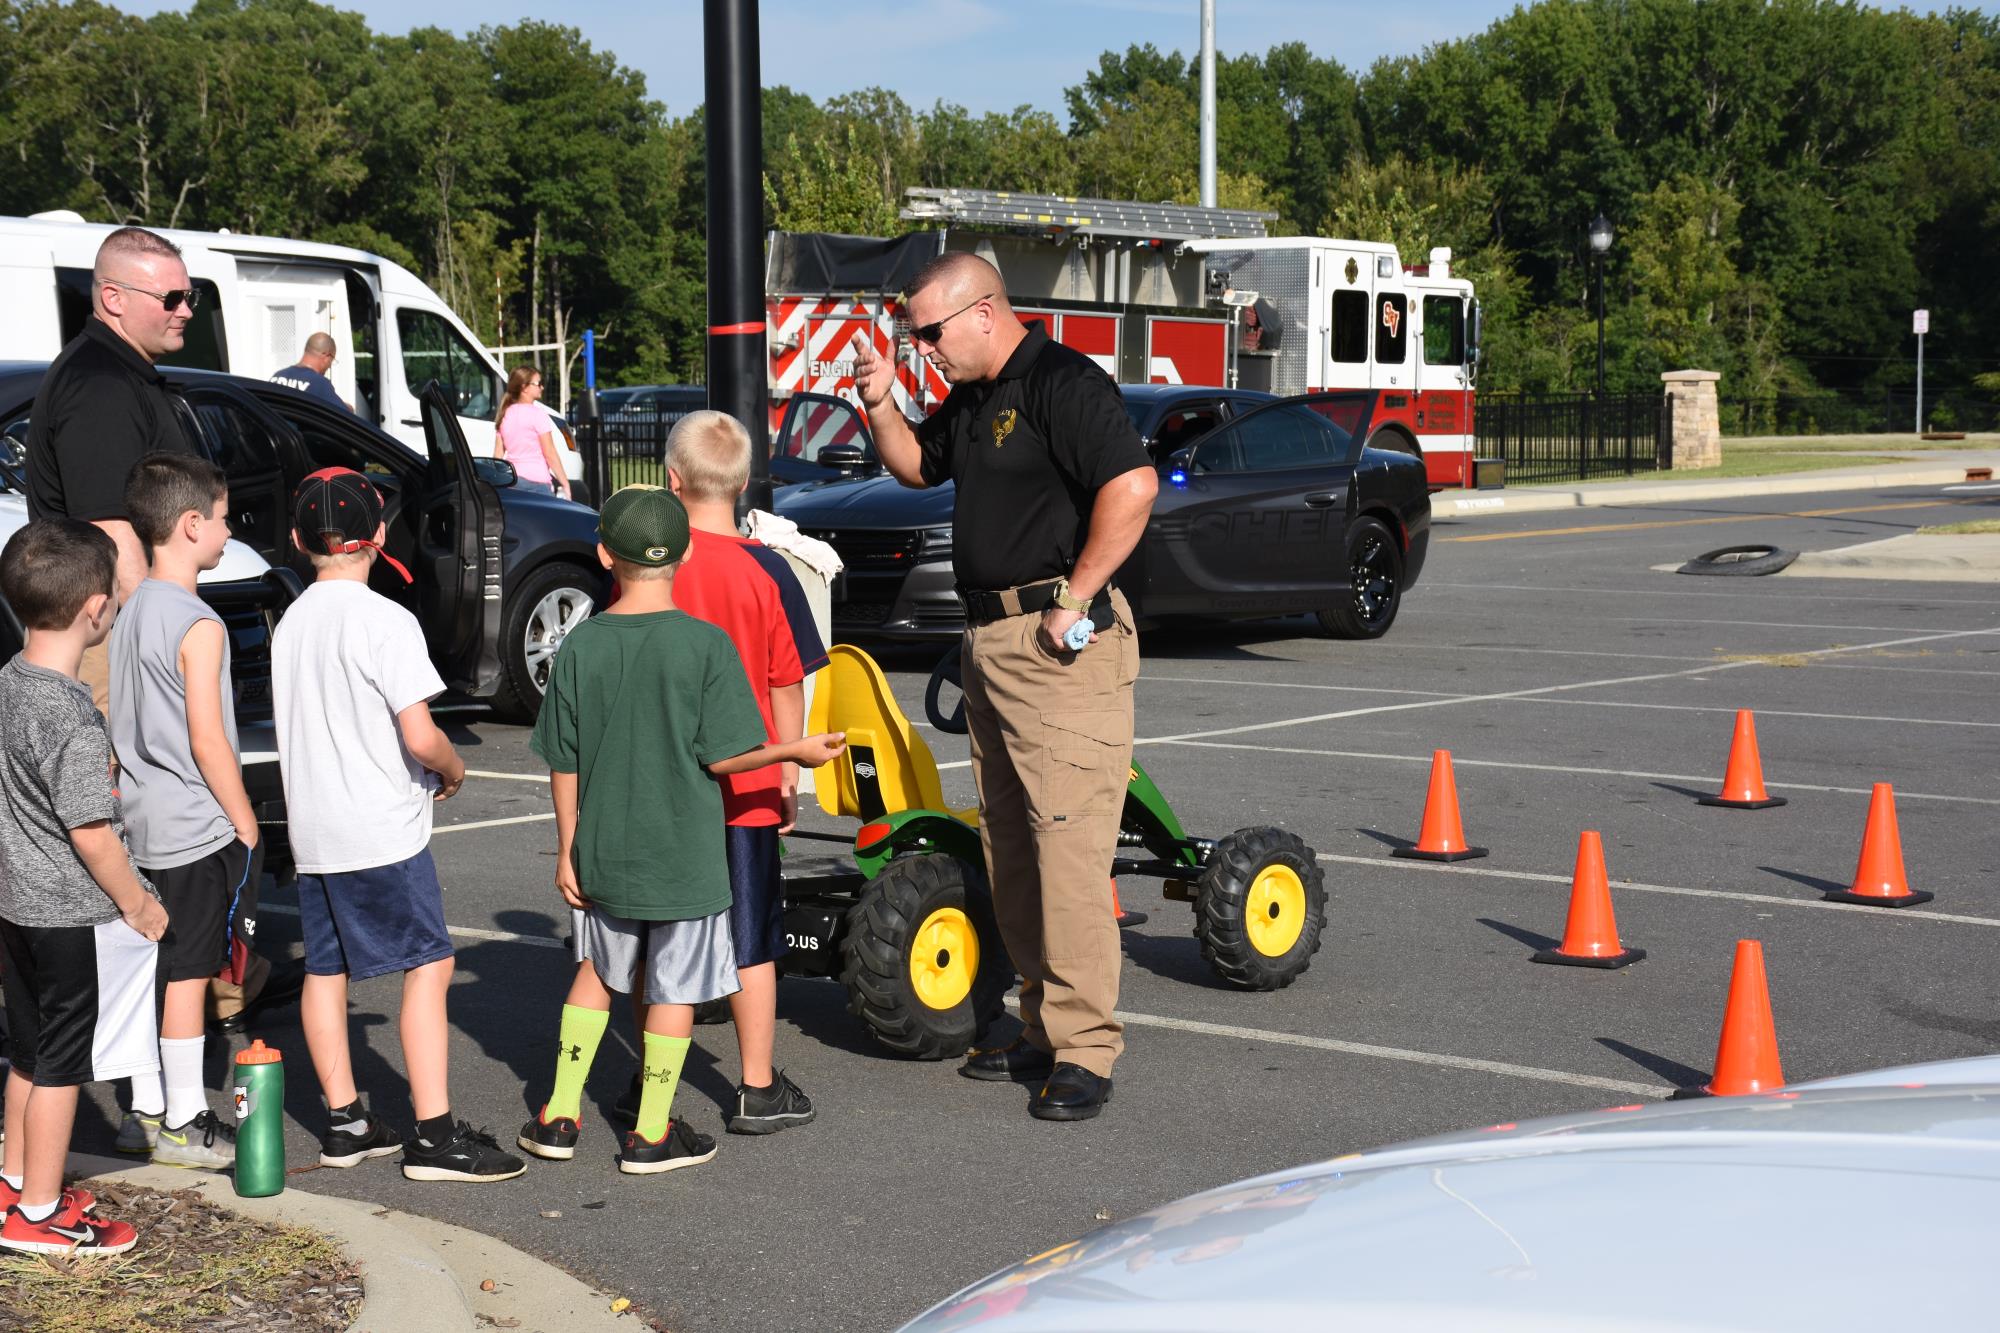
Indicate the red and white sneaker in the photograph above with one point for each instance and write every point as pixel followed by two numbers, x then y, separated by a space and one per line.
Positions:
pixel 9 1196
pixel 70 1229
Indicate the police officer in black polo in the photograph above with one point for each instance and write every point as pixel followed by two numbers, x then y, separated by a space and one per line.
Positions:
pixel 102 405
pixel 1054 489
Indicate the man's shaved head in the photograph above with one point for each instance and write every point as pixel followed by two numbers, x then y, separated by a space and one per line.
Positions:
pixel 959 277
pixel 319 344
pixel 135 272
pixel 129 248
pixel 963 300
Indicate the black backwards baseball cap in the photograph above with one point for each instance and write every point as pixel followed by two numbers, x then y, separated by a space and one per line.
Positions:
pixel 646 525
pixel 342 509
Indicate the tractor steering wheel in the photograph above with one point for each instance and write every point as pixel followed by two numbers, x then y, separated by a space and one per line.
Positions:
pixel 946 672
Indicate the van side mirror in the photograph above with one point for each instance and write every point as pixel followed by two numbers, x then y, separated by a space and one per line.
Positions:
pixel 1475 328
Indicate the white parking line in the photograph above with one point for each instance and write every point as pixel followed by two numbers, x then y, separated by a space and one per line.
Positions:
pixel 1292 685
pixel 1710 588
pixel 1705 779
pixel 463 932
pixel 493 823
pixel 1538 877
pixel 1433 1058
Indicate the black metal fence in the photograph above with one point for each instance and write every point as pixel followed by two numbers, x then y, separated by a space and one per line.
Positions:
pixel 1860 412
pixel 627 445
pixel 1571 437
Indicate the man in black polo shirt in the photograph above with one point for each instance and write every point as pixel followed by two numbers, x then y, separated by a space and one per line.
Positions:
pixel 102 406
pixel 1053 492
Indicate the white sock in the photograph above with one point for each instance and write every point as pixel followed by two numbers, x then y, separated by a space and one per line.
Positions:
pixel 13 1182
pixel 149 1095
pixel 180 1065
pixel 38 1212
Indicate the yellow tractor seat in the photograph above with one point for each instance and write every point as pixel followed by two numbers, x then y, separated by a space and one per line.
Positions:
pixel 886 767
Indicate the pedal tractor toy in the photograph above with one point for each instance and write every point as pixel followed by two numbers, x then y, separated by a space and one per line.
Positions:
pixel 910 931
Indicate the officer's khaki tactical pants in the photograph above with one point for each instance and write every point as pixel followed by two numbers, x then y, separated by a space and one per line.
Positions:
pixel 1051 752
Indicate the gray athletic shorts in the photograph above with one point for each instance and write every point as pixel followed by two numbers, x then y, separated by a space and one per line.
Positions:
pixel 684 962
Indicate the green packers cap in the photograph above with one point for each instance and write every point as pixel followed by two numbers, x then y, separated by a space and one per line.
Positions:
pixel 646 525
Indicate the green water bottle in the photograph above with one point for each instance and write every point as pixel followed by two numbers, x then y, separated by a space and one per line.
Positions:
pixel 260 1121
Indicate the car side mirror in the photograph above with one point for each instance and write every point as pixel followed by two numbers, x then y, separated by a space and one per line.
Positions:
pixel 1179 464
pixel 843 457
pixel 496 471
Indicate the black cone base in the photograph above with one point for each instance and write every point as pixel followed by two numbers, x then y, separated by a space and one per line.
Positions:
pixel 1910 899
pixel 1688 1094
pixel 1724 801
pixel 1607 962
pixel 1412 854
pixel 1126 920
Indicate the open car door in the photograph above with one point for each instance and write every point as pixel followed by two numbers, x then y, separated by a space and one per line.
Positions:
pixel 821 438
pixel 457 568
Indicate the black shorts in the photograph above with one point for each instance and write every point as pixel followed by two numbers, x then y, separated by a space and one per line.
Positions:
pixel 756 894
pixel 83 1002
pixel 200 899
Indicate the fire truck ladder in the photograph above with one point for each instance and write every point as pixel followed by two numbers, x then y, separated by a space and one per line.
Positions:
pixel 1093 217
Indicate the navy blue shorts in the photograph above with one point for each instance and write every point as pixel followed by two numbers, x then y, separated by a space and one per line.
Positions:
pixel 756 894
pixel 369 922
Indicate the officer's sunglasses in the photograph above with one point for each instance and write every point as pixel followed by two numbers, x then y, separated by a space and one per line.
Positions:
pixel 169 301
pixel 931 332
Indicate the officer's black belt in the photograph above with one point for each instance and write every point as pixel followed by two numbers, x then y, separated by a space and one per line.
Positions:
pixel 983 607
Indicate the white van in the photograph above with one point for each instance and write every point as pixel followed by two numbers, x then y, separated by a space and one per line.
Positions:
pixel 261 297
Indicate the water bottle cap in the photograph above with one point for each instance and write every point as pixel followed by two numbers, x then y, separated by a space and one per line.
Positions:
pixel 260 1054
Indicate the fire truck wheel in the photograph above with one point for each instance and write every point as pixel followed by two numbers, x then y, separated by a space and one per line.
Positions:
pixel 921 957
pixel 1375 584
pixel 1259 908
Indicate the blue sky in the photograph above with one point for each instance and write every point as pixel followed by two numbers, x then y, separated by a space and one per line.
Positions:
pixel 986 55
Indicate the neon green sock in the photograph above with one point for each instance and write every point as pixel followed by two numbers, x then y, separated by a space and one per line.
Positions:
pixel 664 1058
pixel 581 1030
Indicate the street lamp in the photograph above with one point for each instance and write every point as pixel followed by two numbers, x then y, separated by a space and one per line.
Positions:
pixel 1600 241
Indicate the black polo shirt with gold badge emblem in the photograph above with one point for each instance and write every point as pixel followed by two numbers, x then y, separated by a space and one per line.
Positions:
pixel 1029 452
pixel 101 408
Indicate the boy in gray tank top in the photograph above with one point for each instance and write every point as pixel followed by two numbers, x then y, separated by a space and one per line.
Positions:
pixel 192 829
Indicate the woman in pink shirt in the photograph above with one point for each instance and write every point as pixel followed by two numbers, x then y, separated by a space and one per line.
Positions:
pixel 523 436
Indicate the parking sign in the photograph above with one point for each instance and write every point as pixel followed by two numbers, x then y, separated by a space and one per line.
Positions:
pixel 1921 321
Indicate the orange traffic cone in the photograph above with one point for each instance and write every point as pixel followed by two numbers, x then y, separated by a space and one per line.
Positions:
pixel 1441 838
pixel 1743 783
pixel 1746 1060
pixel 1590 939
pixel 1879 879
pixel 1119 914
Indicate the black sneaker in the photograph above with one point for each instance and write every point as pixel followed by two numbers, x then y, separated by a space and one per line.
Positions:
pixel 627 1105
pixel 553 1139
pixel 680 1146
pixel 768 1110
pixel 344 1148
pixel 469 1154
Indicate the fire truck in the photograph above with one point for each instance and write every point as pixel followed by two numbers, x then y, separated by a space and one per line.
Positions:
pixel 1156 294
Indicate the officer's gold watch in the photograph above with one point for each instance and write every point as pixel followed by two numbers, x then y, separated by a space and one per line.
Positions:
pixel 1067 602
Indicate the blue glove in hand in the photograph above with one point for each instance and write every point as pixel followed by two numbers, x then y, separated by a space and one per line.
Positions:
pixel 1077 637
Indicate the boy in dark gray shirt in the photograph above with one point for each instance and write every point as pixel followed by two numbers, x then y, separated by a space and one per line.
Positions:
pixel 189 822
pixel 78 926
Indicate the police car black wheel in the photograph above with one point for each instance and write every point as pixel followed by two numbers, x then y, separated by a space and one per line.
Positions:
pixel 1373 589
pixel 541 611
pixel 1259 908
pixel 921 957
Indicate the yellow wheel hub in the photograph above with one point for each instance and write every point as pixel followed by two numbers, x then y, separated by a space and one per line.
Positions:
pixel 1275 911
pixel 944 958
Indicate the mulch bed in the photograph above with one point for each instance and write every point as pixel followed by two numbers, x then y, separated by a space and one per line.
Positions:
pixel 196 1269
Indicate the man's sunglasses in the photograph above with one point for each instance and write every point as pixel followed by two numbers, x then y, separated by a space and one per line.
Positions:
pixel 169 301
pixel 931 332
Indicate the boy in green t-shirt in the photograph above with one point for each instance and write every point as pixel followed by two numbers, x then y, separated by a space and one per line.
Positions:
pixel 645 706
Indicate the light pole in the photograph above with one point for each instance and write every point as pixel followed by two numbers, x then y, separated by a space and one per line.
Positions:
pixel 1600 241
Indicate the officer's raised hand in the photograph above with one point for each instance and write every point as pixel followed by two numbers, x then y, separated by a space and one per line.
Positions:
pixel 874 374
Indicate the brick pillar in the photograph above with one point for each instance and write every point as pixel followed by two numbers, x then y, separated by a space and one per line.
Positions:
pixel 1696 419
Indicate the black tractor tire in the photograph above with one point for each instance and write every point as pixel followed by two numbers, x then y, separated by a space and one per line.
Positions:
pixel 1231 942
pixel 1374 583
pixel 911 897
pixel 548 604
pixel 1740 561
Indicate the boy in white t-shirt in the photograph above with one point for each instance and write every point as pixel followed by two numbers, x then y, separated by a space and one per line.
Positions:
pixel 352 682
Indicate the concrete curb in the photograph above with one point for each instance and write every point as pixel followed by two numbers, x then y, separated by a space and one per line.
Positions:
pixel 418 1275
pixel 1541 499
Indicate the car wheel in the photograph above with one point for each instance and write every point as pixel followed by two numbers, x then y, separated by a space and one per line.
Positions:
pixel 1259 908
pixel 1375 584
pixel 550 602
pixel 921 957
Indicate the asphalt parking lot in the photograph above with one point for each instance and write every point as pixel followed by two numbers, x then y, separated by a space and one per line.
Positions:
pixel 1577 689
